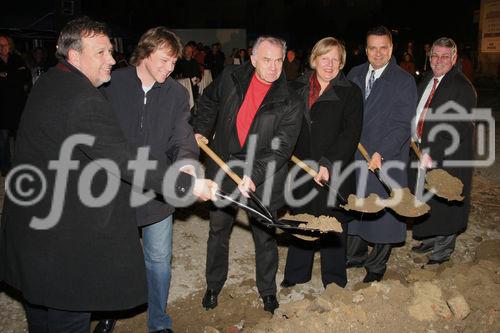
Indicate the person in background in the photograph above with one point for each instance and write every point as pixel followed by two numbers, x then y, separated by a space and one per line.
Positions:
pixel 407 64
pixel 15 82
pixel 330 133
pixel 292 66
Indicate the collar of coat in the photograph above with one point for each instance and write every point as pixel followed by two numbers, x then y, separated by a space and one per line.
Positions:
pixel 450 74
pixel 387 74
pixel 65 66
pixel 132 73
pixel 301 85
pixel 242 76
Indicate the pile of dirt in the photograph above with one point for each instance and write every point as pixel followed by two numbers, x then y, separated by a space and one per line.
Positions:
pixel 458 298
pixel 321 223
pixel 444 185
pixel 404 203
pixel 371 204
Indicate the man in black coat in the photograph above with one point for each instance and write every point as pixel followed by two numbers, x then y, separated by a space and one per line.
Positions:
pixel 74 248
pixel 248 102
pixel 439 229
pixel 153 110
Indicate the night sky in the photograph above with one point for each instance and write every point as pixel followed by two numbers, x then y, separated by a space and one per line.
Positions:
pixel 301 21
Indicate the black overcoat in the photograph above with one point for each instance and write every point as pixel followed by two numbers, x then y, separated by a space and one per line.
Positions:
pixel 91 259
pixel 330 134
pixel 388 112
pixel 446 218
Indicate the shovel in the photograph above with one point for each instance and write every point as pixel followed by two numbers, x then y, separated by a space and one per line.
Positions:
pixel 409 206
pixel 287 225
pixel 440 182
pixel 346 204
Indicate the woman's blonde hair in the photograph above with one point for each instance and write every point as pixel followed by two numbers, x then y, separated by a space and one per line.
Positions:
pixel 325 45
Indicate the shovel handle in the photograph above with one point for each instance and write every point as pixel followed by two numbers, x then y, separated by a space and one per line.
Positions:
pixel 304 166
pixel 415 149
pixel 219 162
pixel 363 152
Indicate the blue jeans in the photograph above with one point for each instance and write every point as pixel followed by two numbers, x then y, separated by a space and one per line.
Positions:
pixel 4 151
pixel 157 243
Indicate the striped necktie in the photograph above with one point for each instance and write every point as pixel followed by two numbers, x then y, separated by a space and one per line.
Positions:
pixel 369 85
pixel 420 124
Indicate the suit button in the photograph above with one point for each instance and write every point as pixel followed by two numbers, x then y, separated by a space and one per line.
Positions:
pixel 182 189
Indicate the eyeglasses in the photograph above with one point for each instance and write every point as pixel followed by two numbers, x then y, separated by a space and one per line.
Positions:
pixel 444 57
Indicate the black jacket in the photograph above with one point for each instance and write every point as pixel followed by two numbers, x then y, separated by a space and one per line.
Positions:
pixel 161 124
pixel 446 218
pixel 276 124
pixel 330 134
pixel 91 259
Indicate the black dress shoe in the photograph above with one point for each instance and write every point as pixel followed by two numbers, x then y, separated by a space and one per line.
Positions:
pixel 165 330
pixel 270 303
pixel 351 264
pixel 286 284
pixel 422 247
pixel 371 277
pixel 105 326
pixel 210 299
pixel 437 262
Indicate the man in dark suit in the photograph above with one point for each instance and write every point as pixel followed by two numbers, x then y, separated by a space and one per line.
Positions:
pixel 75 249
pixel 247 102
pixel 439 229
pixel 390 99
pixel 153 110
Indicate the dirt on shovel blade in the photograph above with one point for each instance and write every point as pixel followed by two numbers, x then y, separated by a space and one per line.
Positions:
pixel 322 223
pixel 370 204
pixel 444 185
pixel 406 204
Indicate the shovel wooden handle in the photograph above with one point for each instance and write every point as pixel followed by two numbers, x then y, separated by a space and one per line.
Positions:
pixel 304 166
pixel 363 152
pixel 219 162
pixel 415 149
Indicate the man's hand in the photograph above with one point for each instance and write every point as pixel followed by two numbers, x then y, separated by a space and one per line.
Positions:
pixel 205 189
pixel 375 162
pixel 323 176
pixel 246 186
pixel 425 161
pixel 199 137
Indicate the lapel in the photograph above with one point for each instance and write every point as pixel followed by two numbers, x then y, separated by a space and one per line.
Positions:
pixel 378 91
pixel 443 87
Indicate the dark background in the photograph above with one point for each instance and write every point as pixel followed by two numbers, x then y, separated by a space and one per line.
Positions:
pixel 300 22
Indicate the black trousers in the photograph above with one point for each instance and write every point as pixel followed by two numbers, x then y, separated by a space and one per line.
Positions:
pixel 266 252
pixel 375 261
pixel 300 258
pixel 47 320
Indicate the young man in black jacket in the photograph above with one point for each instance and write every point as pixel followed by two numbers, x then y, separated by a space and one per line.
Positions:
pixel 152 109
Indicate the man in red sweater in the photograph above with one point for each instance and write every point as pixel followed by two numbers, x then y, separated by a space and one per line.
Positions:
pixel 252 118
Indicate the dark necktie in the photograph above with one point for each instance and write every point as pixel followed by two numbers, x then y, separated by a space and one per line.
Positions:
pixel 420 124
pixel 369 86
